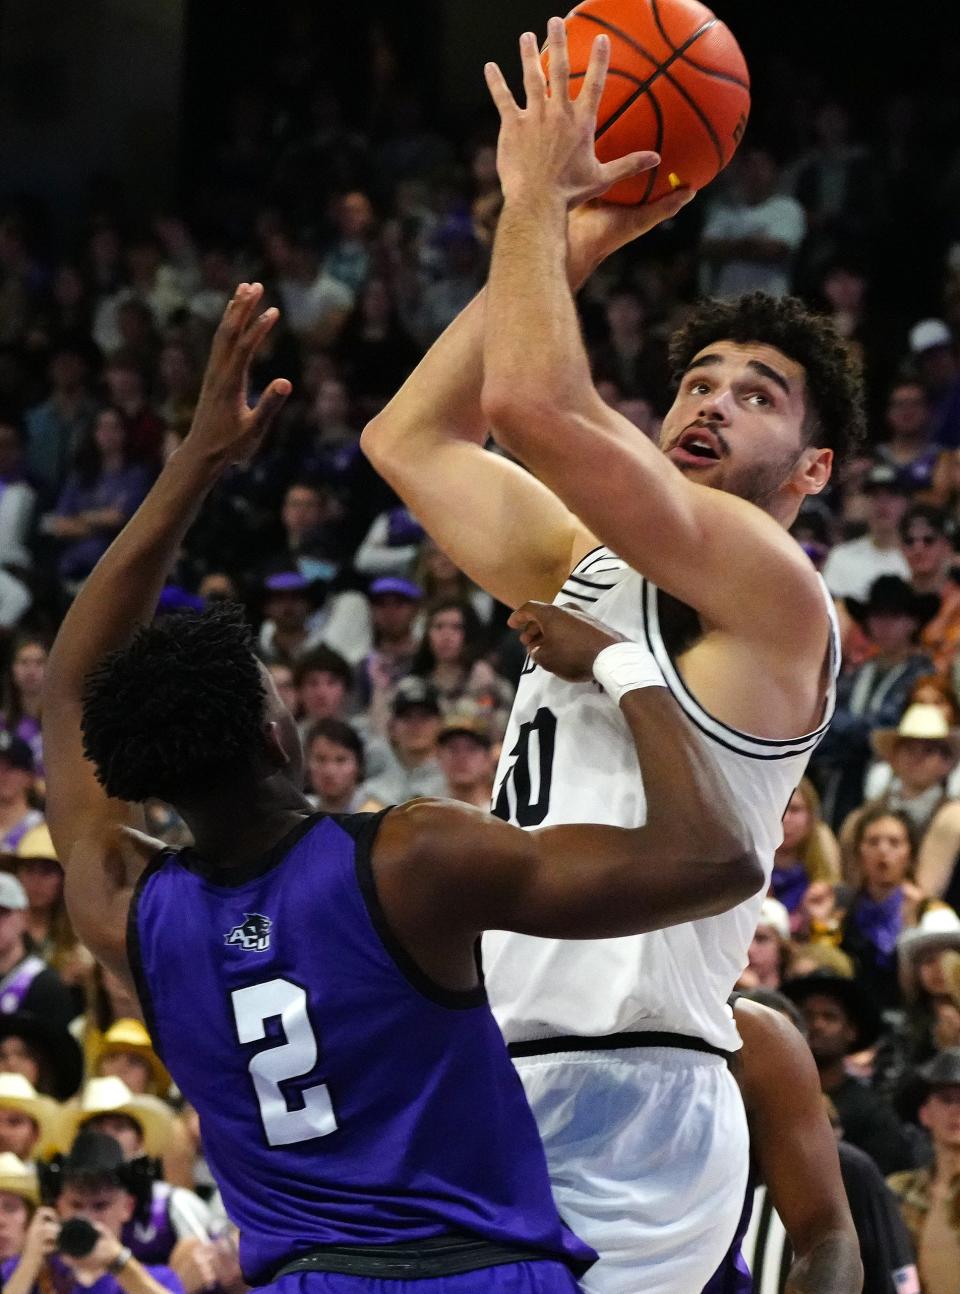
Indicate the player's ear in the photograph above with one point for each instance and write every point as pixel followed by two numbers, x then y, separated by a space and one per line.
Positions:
pixel 813 470
pixel 277 755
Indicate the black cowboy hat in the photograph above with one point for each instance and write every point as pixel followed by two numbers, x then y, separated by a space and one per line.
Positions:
pixel 890 595
pixel 942 1071
pixel 58 1048
pixel 857 1003
pixel 97 1157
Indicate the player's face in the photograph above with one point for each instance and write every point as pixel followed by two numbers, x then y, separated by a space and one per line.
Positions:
pixel 737 423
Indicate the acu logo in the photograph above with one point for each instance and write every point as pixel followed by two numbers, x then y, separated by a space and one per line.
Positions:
pixel 253 936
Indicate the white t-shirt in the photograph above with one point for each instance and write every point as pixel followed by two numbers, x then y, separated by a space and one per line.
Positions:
pixel 780 217
pixel 851 568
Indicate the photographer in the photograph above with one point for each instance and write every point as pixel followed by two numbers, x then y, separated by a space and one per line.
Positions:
pixel 93 1185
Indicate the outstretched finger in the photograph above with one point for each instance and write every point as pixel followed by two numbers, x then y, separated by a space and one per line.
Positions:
pixel 534 81
pixel 596 76
pixel 248 345
pixel 500 92
pixel 269 405
pixel 559 60
pixel 231 321
pixel 625 168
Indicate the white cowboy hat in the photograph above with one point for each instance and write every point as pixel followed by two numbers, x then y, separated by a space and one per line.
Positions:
pixel 776 916
pixel 18 1093
pixel 19 1178
pixel 111 1095
pixel 922 722
pixel 937 930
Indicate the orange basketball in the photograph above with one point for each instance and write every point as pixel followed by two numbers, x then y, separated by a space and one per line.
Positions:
pixel 677 83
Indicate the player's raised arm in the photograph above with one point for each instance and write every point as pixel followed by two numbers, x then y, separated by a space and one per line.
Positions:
pixel 747 420
pixel 92 832
pixel 692 858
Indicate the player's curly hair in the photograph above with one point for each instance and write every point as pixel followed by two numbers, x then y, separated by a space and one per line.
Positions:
pixel 179 712
pixel 835 413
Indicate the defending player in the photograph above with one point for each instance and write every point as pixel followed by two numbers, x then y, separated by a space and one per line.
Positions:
pixel 311 982
pixel 618 1043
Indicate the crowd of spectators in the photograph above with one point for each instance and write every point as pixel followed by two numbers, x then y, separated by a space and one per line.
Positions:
pixel 371 237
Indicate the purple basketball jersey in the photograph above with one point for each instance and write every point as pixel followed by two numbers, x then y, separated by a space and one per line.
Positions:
pixel 343 1097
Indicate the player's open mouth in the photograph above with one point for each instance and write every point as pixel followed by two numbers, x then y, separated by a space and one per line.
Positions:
pixel 698 446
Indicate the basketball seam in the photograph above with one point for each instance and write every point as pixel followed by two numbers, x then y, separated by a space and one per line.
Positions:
pixel 661 69
pixel 708 71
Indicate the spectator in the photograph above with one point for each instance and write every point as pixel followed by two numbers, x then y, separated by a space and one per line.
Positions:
pixel 934 354
pixel 391 545
pixel 465 754
pixel 92 1182
pixel 58 426
pixel 630 356
pixel 125 1052
pixel 908 447
pixel 283 680
pixel 749 240
pixel 126 393
pixel 408 765
pixel 808 852
pixel 376 350
pixel 315 305
pixel 348 259
pixel 449 657
pixel 106 999
pixel 29 1122
pixel 875 694
pixel 323 682
pixel 459 280
pixel 394 604
pixel 103 491
pixel 179 385
pixel 26 982
pixel 45 1054
pixel 22 697
pixel 17 778
pixel 926 536
pixel 19 1197
pixel 312 542
pixel 930 1197
pixel 335 767
pixel 924 954
pixel 852 567
pixel 300 615
pixel 769 954
pixel 48 925
pixel 841 1019
pixel 441 578
pixel 18 499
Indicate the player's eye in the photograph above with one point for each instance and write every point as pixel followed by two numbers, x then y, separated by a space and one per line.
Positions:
pixel 699 387
pixel 759 397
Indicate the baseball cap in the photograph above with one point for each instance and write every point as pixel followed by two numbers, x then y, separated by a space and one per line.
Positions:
pixel 466 725
pixel 16 752
pixel 928 334
pixel 13 896
pixel 394 584
pixel 882 476
pixel 415 693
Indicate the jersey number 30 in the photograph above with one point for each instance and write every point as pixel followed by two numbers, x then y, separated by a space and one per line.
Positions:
pixel 535 745
pixel 287 1061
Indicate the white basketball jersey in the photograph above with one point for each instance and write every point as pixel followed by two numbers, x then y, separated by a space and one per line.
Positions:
pixel 568 757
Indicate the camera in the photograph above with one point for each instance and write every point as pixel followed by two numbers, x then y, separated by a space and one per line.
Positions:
pixel 77 1238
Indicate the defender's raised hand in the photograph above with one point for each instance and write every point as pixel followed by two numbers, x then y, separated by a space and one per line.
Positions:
pixel 225 428
pixel 549 144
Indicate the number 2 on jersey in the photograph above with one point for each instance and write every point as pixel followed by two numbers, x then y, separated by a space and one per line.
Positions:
pixel 530 812
pixel 252 1007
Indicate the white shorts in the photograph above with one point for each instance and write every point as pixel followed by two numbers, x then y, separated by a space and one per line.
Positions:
pixel 648 1152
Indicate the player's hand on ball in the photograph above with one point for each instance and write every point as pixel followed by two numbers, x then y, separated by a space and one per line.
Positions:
pixel 548 146
pixel 564 640
pixel 224 427
pixel 598 229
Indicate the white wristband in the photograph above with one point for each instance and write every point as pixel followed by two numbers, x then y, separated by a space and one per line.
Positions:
pixel 625 667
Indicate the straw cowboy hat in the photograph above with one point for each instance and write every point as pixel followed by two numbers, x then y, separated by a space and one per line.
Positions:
pixel 18 1093
pixel 112 1096
pixel 920 722
pixel 130 1036
pixel 18 1178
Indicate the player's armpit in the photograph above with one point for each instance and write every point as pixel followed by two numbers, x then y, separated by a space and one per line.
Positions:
pixel 710 549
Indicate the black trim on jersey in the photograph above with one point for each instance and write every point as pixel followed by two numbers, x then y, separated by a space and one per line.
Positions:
pixel 581 597
pixel 232 877
pixel 591 584
pixel 797 747
pixel 616 1042
pixel 454 999
pixel 600 548
pixel 135 952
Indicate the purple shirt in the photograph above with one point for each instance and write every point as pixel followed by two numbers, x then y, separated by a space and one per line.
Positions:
pixel 124 490
pixel 65 1283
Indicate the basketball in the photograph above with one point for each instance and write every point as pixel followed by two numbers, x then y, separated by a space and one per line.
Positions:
pixel 678 83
